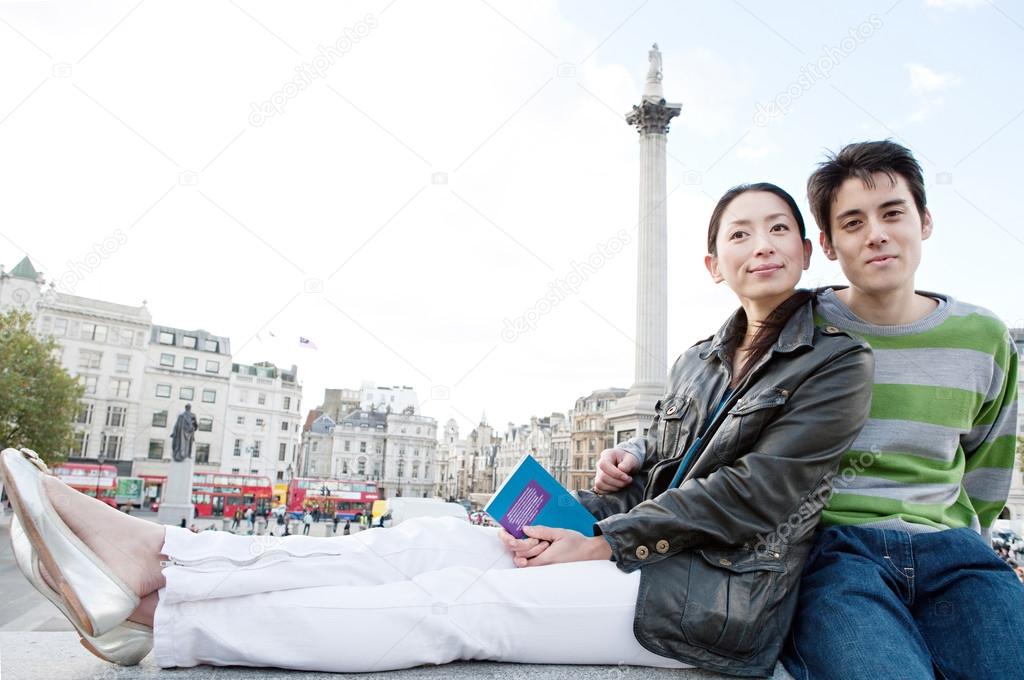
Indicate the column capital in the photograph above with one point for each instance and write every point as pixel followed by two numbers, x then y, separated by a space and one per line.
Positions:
pixel 653 116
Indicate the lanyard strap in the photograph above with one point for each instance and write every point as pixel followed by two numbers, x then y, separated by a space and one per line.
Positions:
pixel 685 462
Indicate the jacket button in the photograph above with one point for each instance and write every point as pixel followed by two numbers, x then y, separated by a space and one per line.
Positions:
pixel 671 410
pixel 724 562
pixel 662 546
pixel 642 552
pixel 831 329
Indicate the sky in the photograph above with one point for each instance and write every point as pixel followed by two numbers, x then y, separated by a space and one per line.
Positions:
pixel 400 181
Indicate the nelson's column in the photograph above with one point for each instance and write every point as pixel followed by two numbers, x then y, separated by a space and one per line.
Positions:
pixel 632 415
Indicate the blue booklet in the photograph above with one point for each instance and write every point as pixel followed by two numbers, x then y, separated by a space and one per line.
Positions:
pixel 532 497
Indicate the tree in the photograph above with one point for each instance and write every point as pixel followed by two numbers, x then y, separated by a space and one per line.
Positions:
pixel 38 399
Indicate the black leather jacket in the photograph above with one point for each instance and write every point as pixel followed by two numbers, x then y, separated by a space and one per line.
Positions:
pixel 721 555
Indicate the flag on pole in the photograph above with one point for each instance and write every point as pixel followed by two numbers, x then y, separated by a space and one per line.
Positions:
pixel 306 342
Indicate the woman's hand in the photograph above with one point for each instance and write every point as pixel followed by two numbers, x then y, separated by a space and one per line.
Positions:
pixel 563 545
pixel 522 549
pixel 613 470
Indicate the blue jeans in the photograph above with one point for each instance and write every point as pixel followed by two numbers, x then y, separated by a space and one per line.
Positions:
pixel 880 604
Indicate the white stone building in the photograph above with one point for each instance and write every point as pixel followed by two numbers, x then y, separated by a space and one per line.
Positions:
pixel 183 367
pixel 451 462
pixel 395 399
pixel 105 345
pixel 262 421
pixel 410 455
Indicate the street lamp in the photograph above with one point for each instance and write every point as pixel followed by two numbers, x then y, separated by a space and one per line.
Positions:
pixel 99 470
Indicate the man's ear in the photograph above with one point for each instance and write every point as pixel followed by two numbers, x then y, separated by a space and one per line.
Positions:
pixel 926 224
pixel 807 253
pixel 711 262
pixel 826 246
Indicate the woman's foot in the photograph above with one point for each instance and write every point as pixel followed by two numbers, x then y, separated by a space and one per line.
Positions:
pixel 128 546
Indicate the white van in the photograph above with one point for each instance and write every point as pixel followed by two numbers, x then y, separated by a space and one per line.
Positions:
pixel 400 509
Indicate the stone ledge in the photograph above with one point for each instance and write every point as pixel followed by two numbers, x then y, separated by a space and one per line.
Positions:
pixel 27 656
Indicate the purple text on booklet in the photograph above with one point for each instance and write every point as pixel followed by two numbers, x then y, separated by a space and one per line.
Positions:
pixel 522 513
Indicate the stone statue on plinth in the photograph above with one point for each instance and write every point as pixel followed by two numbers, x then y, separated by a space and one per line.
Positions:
pixel 183 434
pixel 654 71
pixel 176 497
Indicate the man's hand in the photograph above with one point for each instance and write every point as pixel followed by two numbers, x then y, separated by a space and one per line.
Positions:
pixel 522 549
pixel 613 470
pixel 564 545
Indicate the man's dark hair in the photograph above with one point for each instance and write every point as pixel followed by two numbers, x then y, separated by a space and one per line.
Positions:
pixel 861 160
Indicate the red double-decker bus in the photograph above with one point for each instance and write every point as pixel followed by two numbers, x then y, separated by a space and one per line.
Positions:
pixel 98 481
pixel 348 499
pixel 219 494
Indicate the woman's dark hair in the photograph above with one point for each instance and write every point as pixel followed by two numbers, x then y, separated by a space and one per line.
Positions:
pixel 769 330
pixel 862 160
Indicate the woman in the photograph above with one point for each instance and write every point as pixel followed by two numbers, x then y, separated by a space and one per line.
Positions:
pixel 699 547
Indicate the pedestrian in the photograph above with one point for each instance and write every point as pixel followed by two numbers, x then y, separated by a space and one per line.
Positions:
pixel 249 518
pixel 346 530
pixel 194 529
pixel 316 514
pixel 307 520
pixel 235 519
pixel 336 523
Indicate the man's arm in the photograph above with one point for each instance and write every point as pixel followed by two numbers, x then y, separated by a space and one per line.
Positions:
pixel 991 446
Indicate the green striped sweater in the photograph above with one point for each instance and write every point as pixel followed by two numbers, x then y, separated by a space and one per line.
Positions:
pixel 937 451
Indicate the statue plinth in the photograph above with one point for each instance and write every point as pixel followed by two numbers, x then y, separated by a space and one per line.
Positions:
pixel 176 497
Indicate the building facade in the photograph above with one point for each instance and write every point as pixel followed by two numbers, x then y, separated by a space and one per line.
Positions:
pixel 591 434
pixel 262 421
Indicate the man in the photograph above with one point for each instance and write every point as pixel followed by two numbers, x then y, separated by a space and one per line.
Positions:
pixel 901 582
pixel 901 579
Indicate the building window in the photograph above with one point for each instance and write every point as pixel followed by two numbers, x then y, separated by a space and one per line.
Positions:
pixel 238 447
pixel 80 444
pixel 348 446
pixel 209 396
pixel 417 430
pixel 166 338
pixel 415 469
pixel 256 449
pixel 284 427
pixel 188 341
pixel 60 327
pixel 156 449
pixel 95 332
pixel 287 403
pixel 202 453
pixel 261 399
pixel 120 387
pixel 234 471
pixel 210 345
pixel 110 445
pixel 124 363
pixel 282 451
pixel 240 420
pixel 213 367
pixel 280 476
pixel 187 393
pixel 190 363
pixel 84 414
pixel 260 422
pixel 159 418
pixel 116 416
pixel 206 424
pixel 167 359
pixel 361 466
pixel 89 381
pixel 126 336
pixel 88 358
pixel 362 447
pixel 401 468
pixel 163 391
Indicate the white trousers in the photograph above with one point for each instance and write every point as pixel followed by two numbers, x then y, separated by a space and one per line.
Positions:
pixel 428 591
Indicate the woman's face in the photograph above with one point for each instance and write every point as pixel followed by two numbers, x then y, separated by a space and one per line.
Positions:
pixel 760 253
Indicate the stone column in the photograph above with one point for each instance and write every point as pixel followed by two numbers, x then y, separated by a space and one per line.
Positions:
pixel 651 119
pixel 176 497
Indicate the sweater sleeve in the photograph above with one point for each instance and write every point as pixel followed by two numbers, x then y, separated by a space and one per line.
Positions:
pixel 990 447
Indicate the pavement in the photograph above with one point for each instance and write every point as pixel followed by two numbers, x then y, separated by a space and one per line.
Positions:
pixel 36 641
pixel 28 656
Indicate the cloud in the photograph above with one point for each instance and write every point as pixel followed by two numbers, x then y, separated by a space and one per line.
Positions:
pixel 953 5
pixel 928 87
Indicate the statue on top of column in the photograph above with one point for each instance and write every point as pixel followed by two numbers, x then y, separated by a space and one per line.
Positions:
pixel 654 57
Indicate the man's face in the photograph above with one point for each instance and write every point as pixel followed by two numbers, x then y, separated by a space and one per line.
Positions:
pixel 877 234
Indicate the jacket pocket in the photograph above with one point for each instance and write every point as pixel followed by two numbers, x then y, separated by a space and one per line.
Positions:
pixel 744 422
pixel 730 598
pixel 672 424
